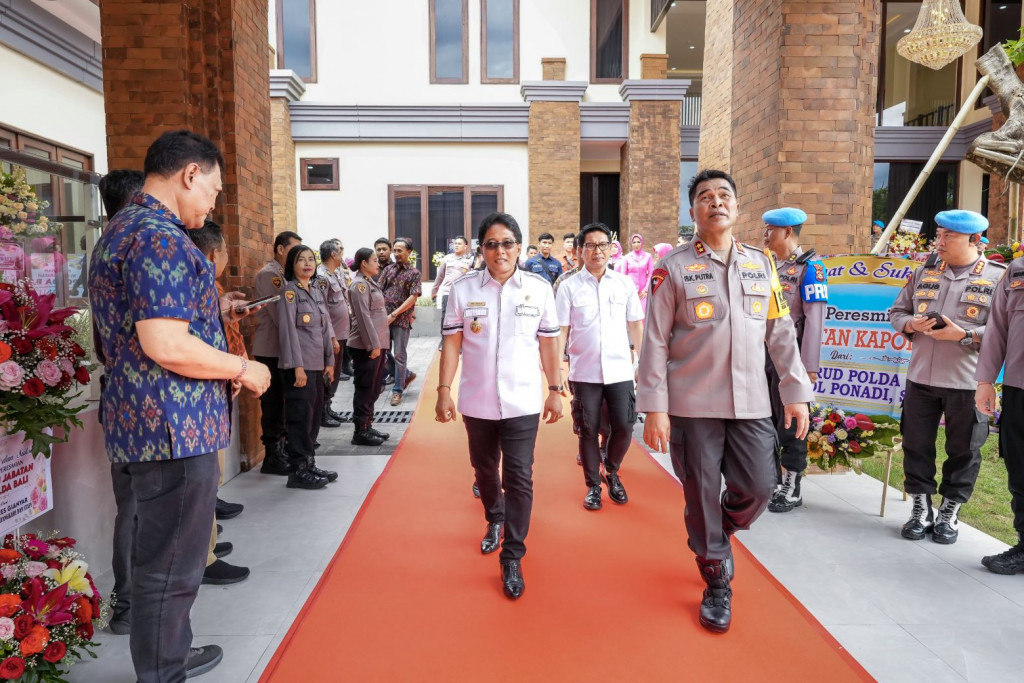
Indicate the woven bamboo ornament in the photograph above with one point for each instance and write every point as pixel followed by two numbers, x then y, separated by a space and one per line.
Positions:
pixel 941 35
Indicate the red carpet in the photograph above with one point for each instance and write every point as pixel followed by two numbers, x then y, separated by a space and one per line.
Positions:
pixel 610 595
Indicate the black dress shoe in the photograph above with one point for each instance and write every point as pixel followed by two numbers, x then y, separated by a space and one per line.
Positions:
pixel 383 436
pixel 223 549
pixel 220 529
pixel 366 438
pixel 302 478
pixel 326 474
pixel 226 510
pixel 328 422
pixel 512 579
pixel 716 605
pixel 476 491
pixel 337 416
pixel 1007 562
pixel 616 491
pixel 345 377
pixel 492 539
pixel 220 573
pixel 202 659
pixel 592 501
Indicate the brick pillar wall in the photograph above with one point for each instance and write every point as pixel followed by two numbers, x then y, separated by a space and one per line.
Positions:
pixel 649 172
pixel 717 94
pixel 219 46
pixel 283 154
pixel 554 167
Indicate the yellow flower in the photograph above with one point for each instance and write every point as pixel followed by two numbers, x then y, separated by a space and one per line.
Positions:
pixel 74 575
pixel 1018 254
pixel 814 451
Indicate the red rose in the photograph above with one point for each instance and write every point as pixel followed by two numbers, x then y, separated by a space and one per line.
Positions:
pixel 83 610
pixel 9 556
pixel 34 387
pixel 854 447
pixel 23 625
pixel 5 352
pixel 35 641
pixel 22 345
pixel 834 417
pixel 12 668
pixel 827 428
pixel 84 631
pixel 9 604
pixel 55 651
pixel 78 350
pixel 82 375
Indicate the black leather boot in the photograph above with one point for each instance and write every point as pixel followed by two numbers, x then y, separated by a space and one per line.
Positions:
pixel 383 436
pixel 716 607
pixel 276 461
pixel 920 522
pixel 366 438
pixel 1007 562
pixel 947 523
pixel 303 478
pixel 326 474
pixel 787 496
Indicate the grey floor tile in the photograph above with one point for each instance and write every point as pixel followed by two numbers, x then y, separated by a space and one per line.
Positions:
pixel 228 610
pixel 892 655
pixel 976 653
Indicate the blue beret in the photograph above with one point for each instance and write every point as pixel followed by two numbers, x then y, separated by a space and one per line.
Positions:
pixel 880 224
pixel 958 220
pixel 784 218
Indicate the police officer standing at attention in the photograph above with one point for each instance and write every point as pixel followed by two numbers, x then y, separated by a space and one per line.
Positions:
pixel 544 264
pixel 805 287
pixel 713 304
pixel 501 318
pixel 266 347
pixel 306 363
pixel 943 309
pixel 601 318
pixel 369 340
pixel 1004 343
pixel 330 280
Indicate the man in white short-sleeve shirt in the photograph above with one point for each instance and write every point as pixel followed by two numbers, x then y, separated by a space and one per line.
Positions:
pixel 602 325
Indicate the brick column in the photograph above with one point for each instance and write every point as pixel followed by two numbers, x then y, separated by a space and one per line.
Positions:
pixel 716 97
pixel 802 109
pixel 554 155
pixel 649 170
pixel 201 65
pixel 285 87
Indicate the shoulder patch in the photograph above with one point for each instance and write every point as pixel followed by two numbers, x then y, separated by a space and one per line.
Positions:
pixel 277 282
pixel 322 284
pixel 657 277
pixel 289 296
pixel 361 287
pixel 814 287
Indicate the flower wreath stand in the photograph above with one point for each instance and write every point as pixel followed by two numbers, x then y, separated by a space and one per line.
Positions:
pixel 896 446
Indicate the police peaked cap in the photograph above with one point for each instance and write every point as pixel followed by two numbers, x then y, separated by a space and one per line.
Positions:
pixel 784 218
pixel 958 220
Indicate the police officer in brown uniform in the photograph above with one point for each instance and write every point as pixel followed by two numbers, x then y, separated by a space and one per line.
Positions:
pixel 943 309
pixel 266 348
pixel 1004 343
pixel 335 291
pixel 369 340
pixel 714 303
pixel 306 362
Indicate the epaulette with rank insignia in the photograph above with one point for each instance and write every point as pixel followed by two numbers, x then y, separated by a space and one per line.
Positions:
pixel 806 256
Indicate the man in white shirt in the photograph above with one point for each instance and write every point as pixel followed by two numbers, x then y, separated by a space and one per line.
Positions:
pixel 452 267
pixel 501 318
pixel 600 315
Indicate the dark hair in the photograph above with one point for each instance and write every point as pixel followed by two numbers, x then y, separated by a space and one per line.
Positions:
pixel 363 254
pixel 176 149
pixel 546 236
pixel 797 229
pixel 568 235
pixel 283 238
pixel 594 227
pixel 499 219
pixel 208 238
pixel 382 240
pixel 531 246
pixel 328 248
pixel 293 256
pixel 407 241
pixel 118 187
pixel 708 174
pixel 460 237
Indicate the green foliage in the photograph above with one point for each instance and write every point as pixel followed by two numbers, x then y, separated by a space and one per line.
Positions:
pixel 1015 49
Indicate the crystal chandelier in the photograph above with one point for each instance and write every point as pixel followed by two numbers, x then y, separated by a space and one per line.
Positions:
pixel 941 35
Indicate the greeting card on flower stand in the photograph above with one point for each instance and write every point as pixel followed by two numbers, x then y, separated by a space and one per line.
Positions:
pixel 26 490
pixel 12 261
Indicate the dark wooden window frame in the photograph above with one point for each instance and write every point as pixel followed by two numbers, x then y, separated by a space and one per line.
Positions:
pixel 312 39
pixel 57 153
pixel 424 191
pixel 465 47
pixel 304 183
pixel 593 44
pixel 484 78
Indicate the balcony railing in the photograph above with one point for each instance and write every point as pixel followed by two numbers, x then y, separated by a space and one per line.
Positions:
pixel 691 110
pixel 942 115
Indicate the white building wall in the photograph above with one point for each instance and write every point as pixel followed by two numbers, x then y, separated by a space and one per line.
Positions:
pixel 357 213
pixel 46 104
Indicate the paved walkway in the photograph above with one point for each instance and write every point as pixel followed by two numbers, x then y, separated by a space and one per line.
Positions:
pixel 907 611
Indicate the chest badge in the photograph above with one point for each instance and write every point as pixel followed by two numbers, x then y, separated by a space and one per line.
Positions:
pixel 361 287
pixel 696 267
pixel 791 271
pixel 982 281
pixel 306 318
pixel 756 287
pixel 704 310
pixel 750 265
pixel 756 307
pixel 476 326
pixel 922 307
pixel 972 311
pixel 702 289
pixel 1015 284
pixel 289 296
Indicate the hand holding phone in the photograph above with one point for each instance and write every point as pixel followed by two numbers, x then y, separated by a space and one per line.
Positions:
pixel 937 317
pixel 259 302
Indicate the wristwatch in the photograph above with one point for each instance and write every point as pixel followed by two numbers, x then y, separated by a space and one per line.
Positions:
pixel 552 387
pixel 968 338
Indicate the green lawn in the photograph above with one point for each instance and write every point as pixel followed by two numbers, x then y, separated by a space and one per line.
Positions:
pixel 989 507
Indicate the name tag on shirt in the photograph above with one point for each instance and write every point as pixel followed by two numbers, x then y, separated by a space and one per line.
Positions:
pixel 475 313
pixel 523 309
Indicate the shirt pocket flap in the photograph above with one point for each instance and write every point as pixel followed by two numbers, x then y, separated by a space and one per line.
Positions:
pixel 526 309
pixel 697 290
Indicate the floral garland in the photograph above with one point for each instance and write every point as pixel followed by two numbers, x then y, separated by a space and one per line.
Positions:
pixel 905 244
pixel 838 439
pixel 1004 253
pixel 437 259
pixel 21 213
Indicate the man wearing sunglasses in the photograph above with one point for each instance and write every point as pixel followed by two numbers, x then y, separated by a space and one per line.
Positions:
pixel 601 317
pixel 503 321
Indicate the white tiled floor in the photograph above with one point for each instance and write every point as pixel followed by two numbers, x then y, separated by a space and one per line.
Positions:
pixel 906 611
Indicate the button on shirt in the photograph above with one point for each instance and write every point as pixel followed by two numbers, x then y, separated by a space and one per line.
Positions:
pixel 269 281
pixel 964 298
pixel 704 341
pixel 144 266
pixel 501 326
pixel 549 268
pixel 596 313
pixel 1004 332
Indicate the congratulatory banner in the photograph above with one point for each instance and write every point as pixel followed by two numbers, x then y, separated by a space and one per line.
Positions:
pixel 863 359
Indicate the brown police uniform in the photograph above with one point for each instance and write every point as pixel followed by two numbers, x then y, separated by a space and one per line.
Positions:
pixel 266 348
pixel 369 331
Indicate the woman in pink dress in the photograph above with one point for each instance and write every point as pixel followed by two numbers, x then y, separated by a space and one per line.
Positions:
pixel 616 254
pixel 660 250
pixel 638 265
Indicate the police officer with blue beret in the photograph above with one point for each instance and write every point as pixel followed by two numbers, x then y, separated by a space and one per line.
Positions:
pixel 805 286
pixel 943 310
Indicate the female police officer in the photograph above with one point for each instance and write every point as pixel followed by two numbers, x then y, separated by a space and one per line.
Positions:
pixel 367 340
pixel 306 360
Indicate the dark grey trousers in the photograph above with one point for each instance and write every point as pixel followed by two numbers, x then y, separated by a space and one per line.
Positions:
pixel 400 352
pixel 590 401
pixel 124 538
pixel 174 504
pixel 703 451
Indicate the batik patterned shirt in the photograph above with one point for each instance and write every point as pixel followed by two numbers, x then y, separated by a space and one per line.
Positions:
pixel 145 266
pixel 399 282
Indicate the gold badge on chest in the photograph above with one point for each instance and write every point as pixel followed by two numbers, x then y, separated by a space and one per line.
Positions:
pixel 476 326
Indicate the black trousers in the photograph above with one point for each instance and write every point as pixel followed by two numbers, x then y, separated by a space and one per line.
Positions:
pixel 305 405
pixel 272 405
pixel 966 431
pixel 174 503
pixel 339 363
pixel 124 538
pixel 1011 447
pixel 507 497
pixel 588 403
pixel 791 452
pixel 703 451
pixel 367 381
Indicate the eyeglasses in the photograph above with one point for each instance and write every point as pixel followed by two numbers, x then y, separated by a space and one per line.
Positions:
pixel 507 245
pixel 591 246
